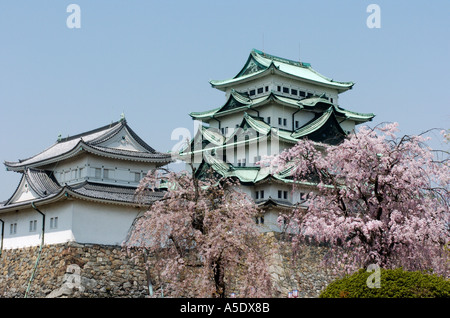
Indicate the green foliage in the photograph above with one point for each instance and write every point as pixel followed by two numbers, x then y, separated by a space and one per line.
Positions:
pixel 394 283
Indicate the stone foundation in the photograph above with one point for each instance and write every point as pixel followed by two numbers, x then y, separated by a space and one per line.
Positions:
pixel 86 270
pixel 71 270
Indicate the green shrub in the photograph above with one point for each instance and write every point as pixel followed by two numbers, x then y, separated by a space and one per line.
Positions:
pixel 394 283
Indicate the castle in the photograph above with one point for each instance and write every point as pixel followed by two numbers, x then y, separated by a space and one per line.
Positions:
pixel 81 190
pixel 270 104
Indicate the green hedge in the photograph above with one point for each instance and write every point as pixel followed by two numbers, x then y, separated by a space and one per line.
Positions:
pixel 394 283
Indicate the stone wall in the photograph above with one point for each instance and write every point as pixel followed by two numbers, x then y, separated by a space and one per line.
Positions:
pixel 71 270
pixel 85 270
pixel 305 272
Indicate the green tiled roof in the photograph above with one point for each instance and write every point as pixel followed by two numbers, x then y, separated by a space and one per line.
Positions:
pixel 315 130
pixel 260 63
pixel 313 101
pixel 212 136
pixel 249 175
pixel 241 103
pixel 312 126
pixel 205 114
pixel 258 125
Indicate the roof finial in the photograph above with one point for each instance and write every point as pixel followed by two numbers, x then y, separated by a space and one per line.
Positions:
pixel 263 43
pixel 122 116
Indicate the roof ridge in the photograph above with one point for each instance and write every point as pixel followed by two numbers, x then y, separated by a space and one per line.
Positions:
pixel 281 59
pixel 108 135
pixel 90 132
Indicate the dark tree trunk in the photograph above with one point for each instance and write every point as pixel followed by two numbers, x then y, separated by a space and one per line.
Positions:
pixel 219 279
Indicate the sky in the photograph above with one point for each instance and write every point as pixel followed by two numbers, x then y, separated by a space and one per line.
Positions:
pixel 153 60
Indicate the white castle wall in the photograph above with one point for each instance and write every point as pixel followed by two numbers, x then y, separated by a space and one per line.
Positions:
pixel 77 220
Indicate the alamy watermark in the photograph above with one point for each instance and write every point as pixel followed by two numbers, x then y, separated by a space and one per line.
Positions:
pixel 374 19
pixel 73 21
pixel 374 280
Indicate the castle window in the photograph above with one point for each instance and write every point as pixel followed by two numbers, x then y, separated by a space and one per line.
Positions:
pixel 257 195
pixel 80 172
pixel 252 92
pixel 98 173
pixel 54 222
pixel 13 228
pixel 284 122
pixel 279 120
pixel 294 91
pixel 279 194
pixel 285 89
pixel 33 225
pixel 241 162
pixel 137 176
pixel 279 88
pixel 262 194
pixel 106 174
pixel 331 99
pixel 302 94
pixel 267 88
pixel 268 120
pixel 260 90
pixel 297 124
pixel 285 195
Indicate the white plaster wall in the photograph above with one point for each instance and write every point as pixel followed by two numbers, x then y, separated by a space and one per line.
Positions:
pixel 101 223
pixel 273 81
pixel 302 117
pixel 78 220
pixel 348 125
pixel 120 172
pixel 24 238
pixel 82 167
pixel 270 221
pixel 303 86
pixel 255 84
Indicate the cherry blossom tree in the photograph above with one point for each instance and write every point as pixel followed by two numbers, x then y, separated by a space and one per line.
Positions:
pixel 380 199
pixel 201 238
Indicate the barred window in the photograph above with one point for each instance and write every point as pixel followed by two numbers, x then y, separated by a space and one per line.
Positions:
pixel 54 222
pixel 33 224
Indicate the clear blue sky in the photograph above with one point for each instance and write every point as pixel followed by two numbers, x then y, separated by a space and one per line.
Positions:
pixel 152 60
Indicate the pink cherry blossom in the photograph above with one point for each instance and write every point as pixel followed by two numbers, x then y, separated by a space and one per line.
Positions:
pixel 379 199
pixel 201 238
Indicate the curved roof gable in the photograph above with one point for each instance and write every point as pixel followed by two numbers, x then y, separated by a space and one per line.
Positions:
pixel 239 102
pixel 259 63
pixel 116 140
pixel 40 187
